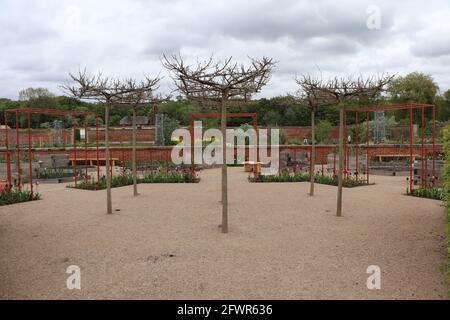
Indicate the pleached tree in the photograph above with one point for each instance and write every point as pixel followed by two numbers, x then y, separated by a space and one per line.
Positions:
pixel 219 81
pixel 311 96
pixel 340 91
pixel 138 94
pixel 108 92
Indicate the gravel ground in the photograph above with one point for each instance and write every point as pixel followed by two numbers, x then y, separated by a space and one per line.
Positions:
pixel 166 243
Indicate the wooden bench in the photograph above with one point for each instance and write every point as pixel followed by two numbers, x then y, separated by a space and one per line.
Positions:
pixel 91 160
pixel 252 166
pixel 381 156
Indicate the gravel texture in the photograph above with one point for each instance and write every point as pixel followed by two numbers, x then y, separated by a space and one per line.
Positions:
pixel 282 243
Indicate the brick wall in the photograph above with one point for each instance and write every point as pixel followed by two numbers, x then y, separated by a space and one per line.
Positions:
pixel 300 133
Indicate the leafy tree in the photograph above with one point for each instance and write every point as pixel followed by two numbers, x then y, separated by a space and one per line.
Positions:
pixel 443 106
pixel 170 125
pixel 414 87
pixel 114 121
pixel 272 118
pixel 34 93
pixel 323 130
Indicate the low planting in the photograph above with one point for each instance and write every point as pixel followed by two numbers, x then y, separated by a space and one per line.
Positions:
pixel 127 180
pixel 430 193
pixel 446 189
pixel 285 176
pixel 53 174
pixel 16 196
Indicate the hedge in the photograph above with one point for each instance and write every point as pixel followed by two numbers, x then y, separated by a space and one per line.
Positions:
pixel 285 176
pixel 127 180
pixel 16 196
pixel 446 188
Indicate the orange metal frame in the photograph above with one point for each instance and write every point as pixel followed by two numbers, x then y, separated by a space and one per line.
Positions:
pixel 29 112
pixel 410 107
pixel 194 116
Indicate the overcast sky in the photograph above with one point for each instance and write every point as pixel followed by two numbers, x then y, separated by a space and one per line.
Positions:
pixel 41 41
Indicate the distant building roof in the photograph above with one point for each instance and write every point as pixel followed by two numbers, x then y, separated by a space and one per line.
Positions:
pixel 140 121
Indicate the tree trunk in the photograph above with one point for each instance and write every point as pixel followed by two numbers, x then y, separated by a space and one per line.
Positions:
pixel 224 163
pixel 313 150
pixel 107 159
pixel 341 159
pixel 133 154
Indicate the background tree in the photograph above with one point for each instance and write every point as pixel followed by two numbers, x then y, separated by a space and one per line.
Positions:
pixel 138 95
pixel 415 87
pixel 341 91
pixel 218 82
pixel 107 91
pixel 313 98
pixel 323 131
pixel 443 107
pixel 34 93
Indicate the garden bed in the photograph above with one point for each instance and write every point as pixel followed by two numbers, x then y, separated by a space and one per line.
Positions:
pixel 429 193
pixel 17 196
pixel 304 177
pixel 126 180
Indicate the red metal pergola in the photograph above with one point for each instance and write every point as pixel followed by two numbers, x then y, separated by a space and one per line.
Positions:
pixel 424 158
pixel 29 112
pixel 195 116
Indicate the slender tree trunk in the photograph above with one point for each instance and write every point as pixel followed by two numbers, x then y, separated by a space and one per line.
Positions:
pixel 107 159
pixel 133 154
pixel 341 159
pixel 224 163
pixel 313 150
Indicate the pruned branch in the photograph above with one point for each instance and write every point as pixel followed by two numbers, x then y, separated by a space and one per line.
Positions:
pixel 209 80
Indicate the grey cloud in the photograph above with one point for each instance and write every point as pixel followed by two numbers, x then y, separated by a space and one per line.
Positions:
pixel 127 38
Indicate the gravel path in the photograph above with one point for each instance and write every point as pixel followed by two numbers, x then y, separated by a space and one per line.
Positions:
pixel 166 243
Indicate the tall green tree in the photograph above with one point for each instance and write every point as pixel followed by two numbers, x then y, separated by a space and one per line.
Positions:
pixel 415 87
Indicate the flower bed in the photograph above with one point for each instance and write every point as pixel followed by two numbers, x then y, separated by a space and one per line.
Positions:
pixel 126 180
pixel 304 177
pixel 429 193
pixel 17 196
pixel 446 190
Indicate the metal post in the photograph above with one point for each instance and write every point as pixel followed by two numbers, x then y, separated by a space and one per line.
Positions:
pixel 334 161
pixel 192 166
pixel 96 151
pixel 223 128
pixel 323 160
pixel 8 155
pixel 422 178
pixel 30 157
pixel 410 149
pixel 433 141
pixel 345 146
pixel 426 168
pixel 74 153
pixel 356 149
pixel 85 149
pixel 367 146
pixel 19 179
pixel 311 165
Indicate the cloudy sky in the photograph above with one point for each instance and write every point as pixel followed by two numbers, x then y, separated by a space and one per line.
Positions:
pixel 44 40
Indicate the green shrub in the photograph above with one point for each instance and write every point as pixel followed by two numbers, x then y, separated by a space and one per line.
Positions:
pixel 446 189
pixel 53 174
pixel 127 180
pixel 170 177
pixel 285 176
pixel 430 193
pixel 16 196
